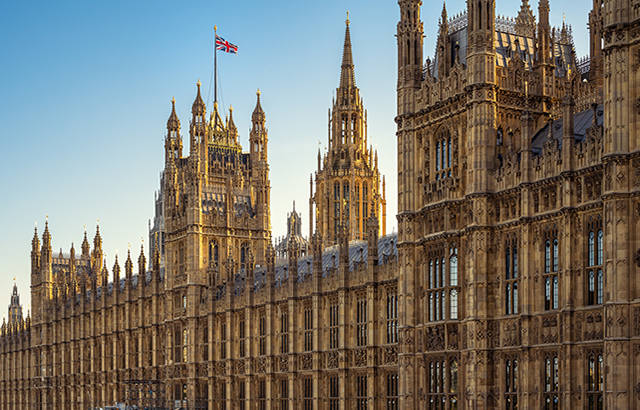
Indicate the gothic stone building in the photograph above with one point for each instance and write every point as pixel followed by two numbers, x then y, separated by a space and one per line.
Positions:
pixel 512 282
pixel 218 321
pixel 519 211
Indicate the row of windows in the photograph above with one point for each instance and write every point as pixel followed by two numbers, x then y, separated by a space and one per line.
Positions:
pixel 595 274
pixel 442 379
pixel 361 329
pixel 442 286
pixel 214 254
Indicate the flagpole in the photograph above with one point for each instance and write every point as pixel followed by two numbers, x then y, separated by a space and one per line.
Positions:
pixel 215 64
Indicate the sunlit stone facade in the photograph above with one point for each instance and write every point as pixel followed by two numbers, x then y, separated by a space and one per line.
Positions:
pixel 513 281
pixel 518 210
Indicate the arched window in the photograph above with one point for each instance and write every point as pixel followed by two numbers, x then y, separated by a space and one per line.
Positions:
pixel 547 256
pixel 213 253
pixel 551 376
pixel 555 255
pixel 244 255
pixel 595 381
pixel 591 292
pixel 551 260
pixel 443 154
pixel 591 250
pixel 507 263
pixel 594 271
pixel 453 383
pixel 442 387
pixel 441 282
pixel 511 385
pixel 599 247
pixel 547 293
pixel 453 267
pixel 511 276
pixel 453 304
pixel 431 277
pixel 600 287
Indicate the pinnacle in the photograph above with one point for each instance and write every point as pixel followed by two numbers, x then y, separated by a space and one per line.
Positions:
pixel 173 122
pixel 347 76
pixel 258 112
pixel 198 106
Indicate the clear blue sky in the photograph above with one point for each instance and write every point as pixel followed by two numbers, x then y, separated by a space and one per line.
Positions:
pixel 85 90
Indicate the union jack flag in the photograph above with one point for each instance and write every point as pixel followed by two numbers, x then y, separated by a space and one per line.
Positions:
pixel 224 45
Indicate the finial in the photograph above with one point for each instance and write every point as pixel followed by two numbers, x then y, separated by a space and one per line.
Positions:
pixel 215 28
pixel 129 245
pixel 347 17
pixel 230 107
pixel 199 83
pixel 173 100
pixel 258 92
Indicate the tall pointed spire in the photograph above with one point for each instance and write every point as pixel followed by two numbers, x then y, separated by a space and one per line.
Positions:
pixel 347 76
pixel 85 244
pixel 198 107
pixel 173 123
pixel 35 242
pixel 46 236
pixel 443 17
pixel 258 112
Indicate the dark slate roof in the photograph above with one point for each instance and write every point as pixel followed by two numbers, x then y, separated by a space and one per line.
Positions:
pixel 387 251
pixel 506 49
pixel 581 122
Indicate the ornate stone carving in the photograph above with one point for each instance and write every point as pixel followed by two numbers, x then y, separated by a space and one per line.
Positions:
pixel 360 357
pixel 435 338
pixel 391 355
pixel 636 321
pixel 306 361
pixel 332 360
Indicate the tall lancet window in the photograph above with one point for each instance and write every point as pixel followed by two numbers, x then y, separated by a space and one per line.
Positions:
pixel 511 275
pixel 443 154
pixel 595 269
pixel 550 278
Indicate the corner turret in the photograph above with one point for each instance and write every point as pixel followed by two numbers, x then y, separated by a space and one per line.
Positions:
pixel 173 141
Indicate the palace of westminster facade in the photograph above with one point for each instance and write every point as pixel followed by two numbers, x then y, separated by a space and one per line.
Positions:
pixel 513 281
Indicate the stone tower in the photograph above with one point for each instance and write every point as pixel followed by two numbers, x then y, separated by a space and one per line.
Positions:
pixel 15 309
pixel 216 213
pixel 347 182
pixel 216 200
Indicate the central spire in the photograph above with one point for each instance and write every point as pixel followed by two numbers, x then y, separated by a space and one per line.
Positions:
pixel 347 76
